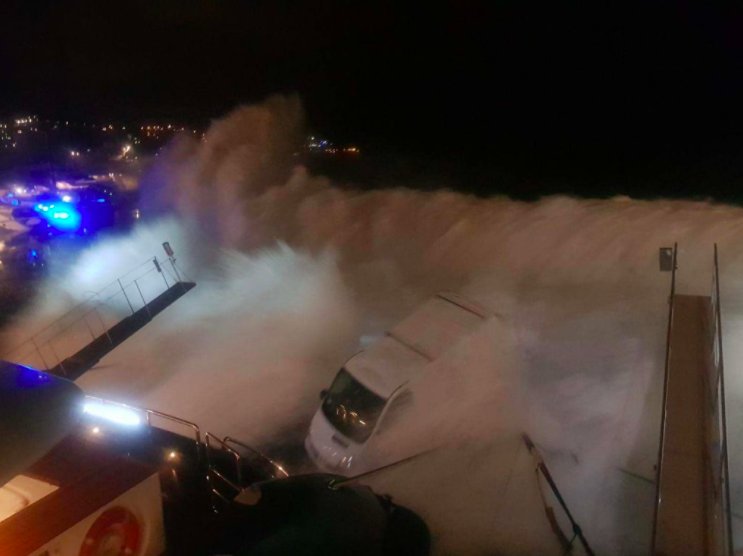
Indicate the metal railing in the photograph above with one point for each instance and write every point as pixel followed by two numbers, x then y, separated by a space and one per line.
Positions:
pixel 211 443
pixel 717 427
pixel 215 477
pixel 263 457
pixel 212 472
pixel 209 437
pixel 719 532
pixel 193 426
pixel 149 413
pixel 671 305
pixel 95 316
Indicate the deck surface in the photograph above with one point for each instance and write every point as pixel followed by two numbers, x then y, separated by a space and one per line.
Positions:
pixel 682 521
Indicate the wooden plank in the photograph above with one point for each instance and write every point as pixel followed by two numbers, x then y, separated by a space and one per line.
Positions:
pixel 682 521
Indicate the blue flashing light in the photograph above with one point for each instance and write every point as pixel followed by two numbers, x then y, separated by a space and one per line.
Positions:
pixel 64 216
pixel 100 200
pixel 30 378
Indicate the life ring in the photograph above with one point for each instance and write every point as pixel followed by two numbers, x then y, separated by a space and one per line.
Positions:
pixel 116 532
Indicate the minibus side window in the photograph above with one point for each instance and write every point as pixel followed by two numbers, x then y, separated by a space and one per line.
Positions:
pixel 398 406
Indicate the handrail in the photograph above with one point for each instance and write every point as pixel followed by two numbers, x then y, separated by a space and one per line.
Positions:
pixel 229 439
pixel 194 426
pixel 671 303
pixel 48 342
pixel 91 296
pixel 78 313
pixel 724 432
pixel 226 480
pixel 211 470
pixel 224 444
pixel 149 412
pixel 209 438
pixel 229 450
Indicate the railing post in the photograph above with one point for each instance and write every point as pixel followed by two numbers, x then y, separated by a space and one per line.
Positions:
pixel 726 503
pixel 238 466
pixel 54 351
pixel 172 263
pixel 160 270
pixel 103 325
pixel 46 365
pixel 666 366
pixel 177 274
pixel 146 307
pixel 125 296
pixel 85 318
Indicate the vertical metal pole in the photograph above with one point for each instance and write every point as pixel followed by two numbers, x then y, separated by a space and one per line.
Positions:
pixel 104 326
pixel 724 451
pixel 238 466
pixel 46 365
pixel 85 318
pixel 160 270
pixel 659 465
pixel 172 263
pixel 175 269
pixel 147 308
pixel 124 292
pixel 54 351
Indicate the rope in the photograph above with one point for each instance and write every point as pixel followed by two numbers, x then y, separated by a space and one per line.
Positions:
pixel 541 467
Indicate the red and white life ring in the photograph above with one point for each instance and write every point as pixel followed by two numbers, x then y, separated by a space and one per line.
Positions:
pixel 116 532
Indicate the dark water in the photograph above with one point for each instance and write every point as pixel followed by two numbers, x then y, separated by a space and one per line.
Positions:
pixel 671 175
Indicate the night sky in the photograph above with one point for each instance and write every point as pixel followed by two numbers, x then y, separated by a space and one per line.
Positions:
pixel 590 94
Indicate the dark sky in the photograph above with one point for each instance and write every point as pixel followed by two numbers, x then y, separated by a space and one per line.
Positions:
pixel 564 90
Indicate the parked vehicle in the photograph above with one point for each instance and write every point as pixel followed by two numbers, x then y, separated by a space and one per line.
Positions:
pixel 373 391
